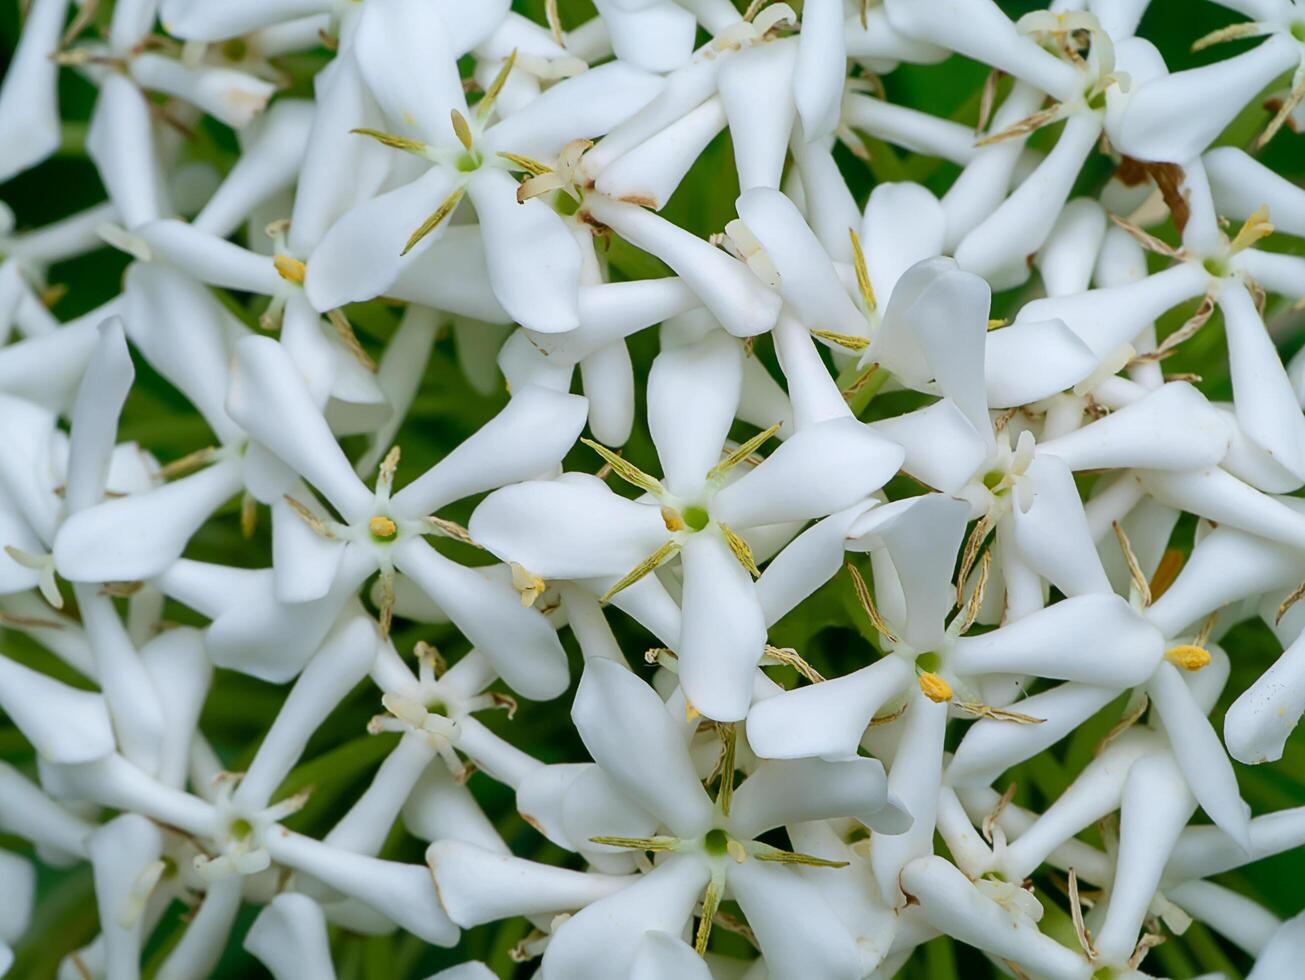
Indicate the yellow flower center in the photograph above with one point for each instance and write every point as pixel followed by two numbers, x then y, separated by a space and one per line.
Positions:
pixel 382 528
pixel 1188 656
pixel 935 688
pixel 291 270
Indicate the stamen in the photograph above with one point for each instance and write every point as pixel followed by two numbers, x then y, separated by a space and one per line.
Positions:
pixel 530 586
pixel 383 528
pixel 710 903
pixel 387 604
pixel 976 597
pixel 1188 656
pixel 1297 594
pixel 742 452
pixel 987 98
pixel 311 519
pixel 1171 563
pixel 554 21
pixel 1140 585
pixel 672 519
pixel 868 604
pixel 248 515
pixel 791 658
pixel 842 339
pixel 344 329
pixel 1076 911
pixel 862 272
pixel 385 475
pixel 433 222
pixel 741 551
pixel 972 545
pixel 1025 126
pixel 1188 330
pixel 660 843
pixel 997 714
pixel 935 688
pixel 14 621
pixel 291 270
pixel 529 165
pixel 729 743
pixel 187 463
pixel 644 567
pixel 626 470
pixel 392 140
pixel 1147 240
pixel 461 128
pixel 1232 32
pixel 765 852
pixel 486 105
pixel 989 824
pixel 450 529
pixel 1257 226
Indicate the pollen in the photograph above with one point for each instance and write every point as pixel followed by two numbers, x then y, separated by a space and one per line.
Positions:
pixel 291 270
pixel 382 528
pixel 1188 656
pixel 935 688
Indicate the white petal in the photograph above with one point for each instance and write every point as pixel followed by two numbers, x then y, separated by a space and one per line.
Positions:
pixel 1052 533
pixel 661 901
pixel 913 781
pixel 585 106
pixel 756 87
pixel 903 225
pixel 1265 403
pixel 943 449
pixel 452 275
pixel 1259 722
pixel 1175 117
pixel 529 437
pixel 813 390
pixel 909 128
pixel 821 68
pixel 1241 184
pixel 999 247
pixel 631 735
pixel 534 263
pixel 1095 639
pixel 1202 758
pixel 1218 496
pixel 1069 254
pixel 121 144
pixel 1026 362
pixel 825 719
pixel 360 256
pixel 289 938
pixel 922 539
pixel 798 932
pixel 807 563
pixel 781 792
pixel 29 108
pixel 743 305
pixel 662 955
pixel 405 55
pixel 478 886
pixel 63 724
pixel 231 96
pixel 1173 428
pixel 1155 806
pixel 979 29
pixel 990 747
pixel 655 37
pixel 608 379
pixel 568 529
pixel 269 398
pixel 210 259
pixel 103 391
pixel 723 632
pixel 404 893
pixel 650 172
pixel 120 852
pixel 953 905
pixel 693 393
pixel 519 642
pixel 807 278
pixel 822 469
pixel 1107 318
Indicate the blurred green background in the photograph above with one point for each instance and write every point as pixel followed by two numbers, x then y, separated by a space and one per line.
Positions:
pixel 829 629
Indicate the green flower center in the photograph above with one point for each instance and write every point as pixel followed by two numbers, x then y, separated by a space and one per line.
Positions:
pixel 241 829
pixel 716 842
pixel 695 517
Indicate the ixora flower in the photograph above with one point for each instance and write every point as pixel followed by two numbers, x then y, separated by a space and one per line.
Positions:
pixel 651 785
pixel 575 528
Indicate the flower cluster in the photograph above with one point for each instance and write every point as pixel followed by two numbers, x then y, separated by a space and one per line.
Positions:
pixel 873 580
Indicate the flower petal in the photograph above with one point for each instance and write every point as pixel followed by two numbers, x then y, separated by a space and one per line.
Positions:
pixel 29 107
pixel 756 88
